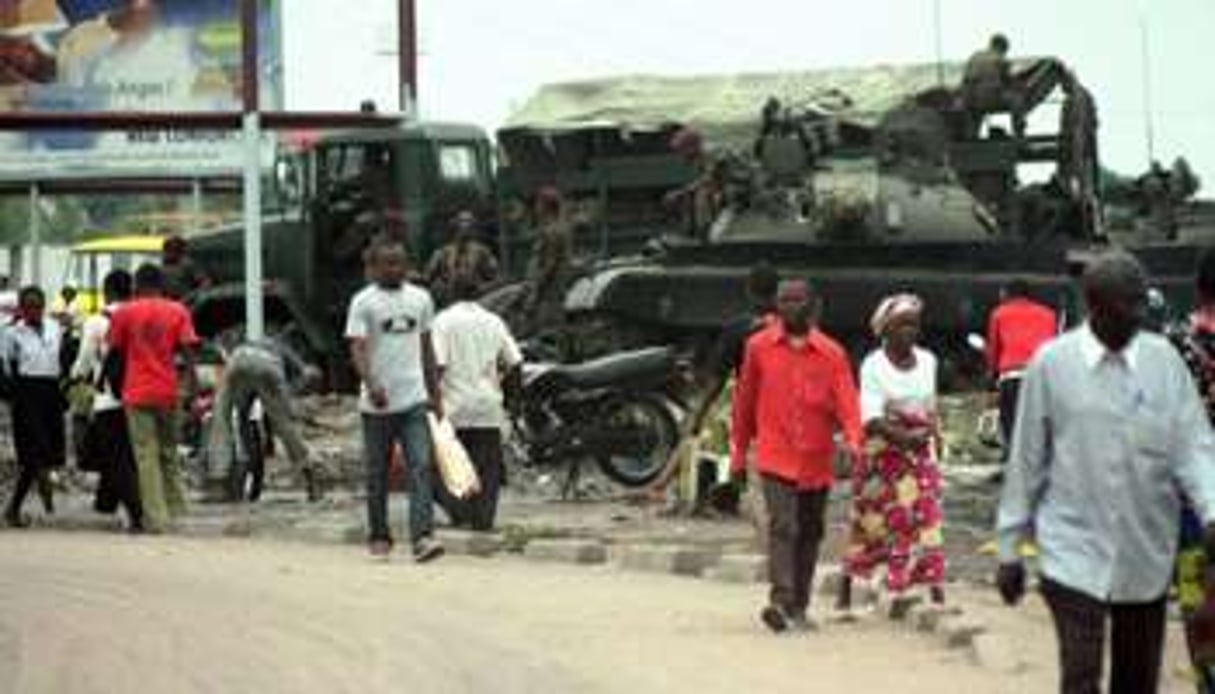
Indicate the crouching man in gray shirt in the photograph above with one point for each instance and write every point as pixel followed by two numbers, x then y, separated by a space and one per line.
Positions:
pixel 262 371
pixel 1110 432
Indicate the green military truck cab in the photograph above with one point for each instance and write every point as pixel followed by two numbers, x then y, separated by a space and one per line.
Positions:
pixel 324 203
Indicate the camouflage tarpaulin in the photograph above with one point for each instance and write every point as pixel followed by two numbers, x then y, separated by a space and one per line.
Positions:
pixel 726 107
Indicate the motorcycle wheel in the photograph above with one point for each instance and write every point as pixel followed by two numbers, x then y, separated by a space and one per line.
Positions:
pixel 247 476
pixel 651 421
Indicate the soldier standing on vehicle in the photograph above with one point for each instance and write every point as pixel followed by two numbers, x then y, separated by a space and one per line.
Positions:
pixel 264 371
pixel 389 326
pixel 549 266
pixel 181 275
pixel 795 392
pixel 698 201
pixel 462 255
pixel 987 87
pixel 1157 190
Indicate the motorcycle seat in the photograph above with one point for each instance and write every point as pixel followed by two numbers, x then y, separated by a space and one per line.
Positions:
pixel 616 369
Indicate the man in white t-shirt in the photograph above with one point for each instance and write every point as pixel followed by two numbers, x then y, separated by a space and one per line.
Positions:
pixel 476 356
pixel 388 326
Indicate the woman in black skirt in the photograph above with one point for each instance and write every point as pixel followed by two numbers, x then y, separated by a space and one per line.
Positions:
pixel 32 362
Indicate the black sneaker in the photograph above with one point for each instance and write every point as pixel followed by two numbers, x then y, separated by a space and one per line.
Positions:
pixel 427 549
pixel 774 618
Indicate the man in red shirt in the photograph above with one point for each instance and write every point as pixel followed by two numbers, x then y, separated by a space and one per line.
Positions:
pixel 795 391
pixel 148 333
pixel 1015 331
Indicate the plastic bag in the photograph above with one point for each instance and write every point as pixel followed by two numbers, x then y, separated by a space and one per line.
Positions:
pixel 453 462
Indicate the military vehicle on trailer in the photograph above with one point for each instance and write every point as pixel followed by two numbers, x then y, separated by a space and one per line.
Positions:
pixel 865 180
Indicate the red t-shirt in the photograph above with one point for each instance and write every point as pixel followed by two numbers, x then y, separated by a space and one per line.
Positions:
pixel 1015 331
pixel 149 331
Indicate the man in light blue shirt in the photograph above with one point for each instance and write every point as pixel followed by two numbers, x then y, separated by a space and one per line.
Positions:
pixel 1110 432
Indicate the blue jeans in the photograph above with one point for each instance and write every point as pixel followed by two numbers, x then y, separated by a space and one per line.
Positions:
pixel 410 429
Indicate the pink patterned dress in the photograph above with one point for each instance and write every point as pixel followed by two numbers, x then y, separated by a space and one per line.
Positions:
pixel 897 516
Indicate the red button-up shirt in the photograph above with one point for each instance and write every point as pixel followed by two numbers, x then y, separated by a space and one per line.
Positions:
pixel 1015 331
pixel 790 400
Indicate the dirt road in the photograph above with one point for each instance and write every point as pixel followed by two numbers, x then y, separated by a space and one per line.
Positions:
pixel 98 613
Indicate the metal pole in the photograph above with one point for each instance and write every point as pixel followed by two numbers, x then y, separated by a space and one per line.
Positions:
pixel 35 229
pixel 196 205
pixel 255 327
pixel 407 56
pixel 936 24
pixel 1146 59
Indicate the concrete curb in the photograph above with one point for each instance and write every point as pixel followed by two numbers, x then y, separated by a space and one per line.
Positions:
pixel 679 560
pixel 471 544
pixel 567 551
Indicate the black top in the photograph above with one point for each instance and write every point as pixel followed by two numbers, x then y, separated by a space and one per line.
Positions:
pixel 731 346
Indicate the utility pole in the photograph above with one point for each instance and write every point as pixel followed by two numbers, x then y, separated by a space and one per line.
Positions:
pixel 936 25
pixel 255 324
pixel 35 232
pixel 407 57
pixel 1146 60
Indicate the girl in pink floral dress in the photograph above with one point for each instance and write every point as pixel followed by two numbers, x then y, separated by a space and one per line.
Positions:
pixel 897 515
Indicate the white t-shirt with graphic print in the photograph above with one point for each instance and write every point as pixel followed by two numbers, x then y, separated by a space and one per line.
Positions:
pixel 392 321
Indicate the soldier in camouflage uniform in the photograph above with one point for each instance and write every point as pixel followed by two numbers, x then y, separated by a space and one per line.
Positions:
pixel 462 256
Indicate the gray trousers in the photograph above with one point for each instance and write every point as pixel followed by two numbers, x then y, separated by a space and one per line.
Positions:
pixel 250 375
pixel 796 520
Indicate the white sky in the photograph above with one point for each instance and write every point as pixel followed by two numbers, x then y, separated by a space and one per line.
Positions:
pixel 481 58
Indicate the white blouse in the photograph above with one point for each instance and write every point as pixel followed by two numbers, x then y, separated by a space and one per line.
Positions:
pixel 885 387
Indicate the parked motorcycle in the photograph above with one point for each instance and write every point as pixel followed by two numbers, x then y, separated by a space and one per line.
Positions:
pixel 613 410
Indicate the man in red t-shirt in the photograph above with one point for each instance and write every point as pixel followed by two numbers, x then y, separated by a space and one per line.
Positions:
pixel 1015 331
pixel 149 333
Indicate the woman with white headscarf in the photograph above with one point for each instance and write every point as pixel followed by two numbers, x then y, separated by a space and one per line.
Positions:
pixel 896 509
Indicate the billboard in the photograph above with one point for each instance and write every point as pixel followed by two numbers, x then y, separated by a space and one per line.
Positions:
pixel 128 55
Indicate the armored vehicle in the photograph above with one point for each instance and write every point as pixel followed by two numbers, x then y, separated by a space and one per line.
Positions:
pixel 866 181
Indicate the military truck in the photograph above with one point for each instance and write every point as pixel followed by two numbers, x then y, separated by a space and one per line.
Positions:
pixel 867 181
pixel 326 200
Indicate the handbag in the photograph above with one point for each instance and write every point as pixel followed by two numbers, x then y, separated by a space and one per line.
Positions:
pixel 455 467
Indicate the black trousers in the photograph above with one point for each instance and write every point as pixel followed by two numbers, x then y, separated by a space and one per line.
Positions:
pixel 39 438
pixel 107 445
pixel 484 447
pixel 1136 636
pixel 1010 391
pixel 795 529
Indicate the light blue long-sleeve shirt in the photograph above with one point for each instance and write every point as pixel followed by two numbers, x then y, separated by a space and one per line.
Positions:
pixel 1104 445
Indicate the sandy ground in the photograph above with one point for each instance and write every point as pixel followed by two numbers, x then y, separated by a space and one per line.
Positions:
pixel 101 613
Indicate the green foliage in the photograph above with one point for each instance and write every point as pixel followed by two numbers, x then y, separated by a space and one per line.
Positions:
pixel 61 219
